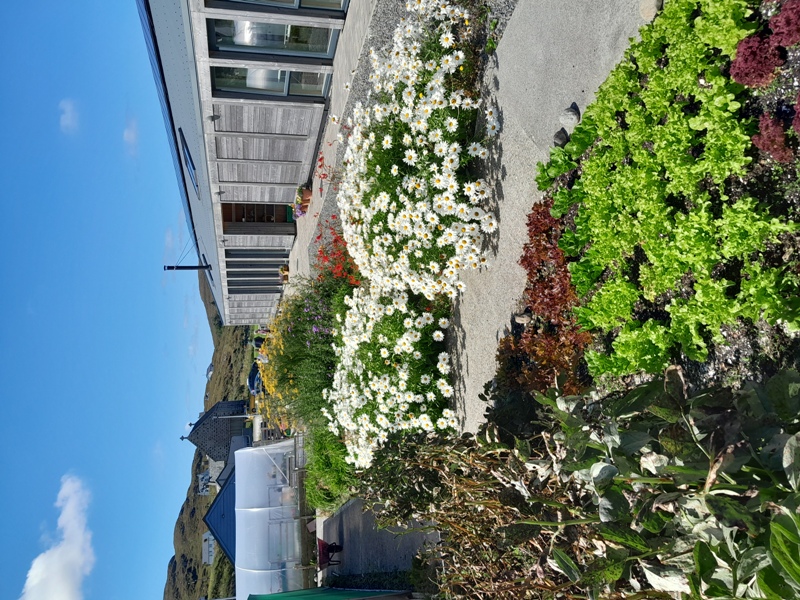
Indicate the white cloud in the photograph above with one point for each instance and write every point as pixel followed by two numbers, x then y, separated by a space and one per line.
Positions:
pixel 58 572
pixel 130 136
pixel 69 116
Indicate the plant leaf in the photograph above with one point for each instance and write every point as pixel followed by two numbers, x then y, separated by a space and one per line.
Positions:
pixel 785 551
pixel 633 441
pixel 773 585
pixel 602 475
pixel 731 513
pixel 567 565
pixel 791 461
pixel 654 463
pixel 655 520
pixel 704 561
pixel 603 570
pixel 751 562
pixel 666 580
pixel 784 392
pixel 675 384
pixel 625 536
pixel 637 400
pixel 613 506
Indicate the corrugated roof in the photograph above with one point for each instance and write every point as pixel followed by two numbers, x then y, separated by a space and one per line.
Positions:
pixel 221 518
pixel 148 28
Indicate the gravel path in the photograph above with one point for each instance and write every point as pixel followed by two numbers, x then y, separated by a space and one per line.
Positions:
pixel 350 85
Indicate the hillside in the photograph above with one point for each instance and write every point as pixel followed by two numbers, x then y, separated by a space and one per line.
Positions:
pixel 187 576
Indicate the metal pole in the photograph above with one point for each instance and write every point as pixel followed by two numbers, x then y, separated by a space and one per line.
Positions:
pixel 187 267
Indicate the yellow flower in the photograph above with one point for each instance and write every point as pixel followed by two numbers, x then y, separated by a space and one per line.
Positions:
pixel 461 68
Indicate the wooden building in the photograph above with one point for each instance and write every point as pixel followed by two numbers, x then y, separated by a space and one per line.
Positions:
pixel 243 87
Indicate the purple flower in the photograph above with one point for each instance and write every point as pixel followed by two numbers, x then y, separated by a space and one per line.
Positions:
pixel 315 329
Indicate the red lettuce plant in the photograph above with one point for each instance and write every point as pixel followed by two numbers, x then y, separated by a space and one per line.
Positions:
pixel 785 25
pixel 553 345
pixel 755 62
pixel 549 292
pixel 771 139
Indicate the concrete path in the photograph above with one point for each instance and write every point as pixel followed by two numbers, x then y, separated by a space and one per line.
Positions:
pixel 368 549
pixel 552 53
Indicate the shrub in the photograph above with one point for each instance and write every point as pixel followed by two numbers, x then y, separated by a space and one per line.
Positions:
pixel 785 25
pixel 329 478
pixel 301 362
pixel 652 494
pixel 756 61
pixel 771 138
pixel 412 220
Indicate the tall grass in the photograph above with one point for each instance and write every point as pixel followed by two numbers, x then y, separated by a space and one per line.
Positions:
pixel 302 361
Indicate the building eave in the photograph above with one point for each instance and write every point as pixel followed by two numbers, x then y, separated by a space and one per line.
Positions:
pixel 148 28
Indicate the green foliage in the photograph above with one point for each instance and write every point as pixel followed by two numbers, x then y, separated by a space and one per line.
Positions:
pixel 656 168
pixel 301 362
pixel 648 494
pixel 222 578
pixel 329 479
pixel 610 307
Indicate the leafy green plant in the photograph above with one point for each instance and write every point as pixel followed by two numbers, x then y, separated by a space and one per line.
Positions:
pixel 665 239
pixel 653 493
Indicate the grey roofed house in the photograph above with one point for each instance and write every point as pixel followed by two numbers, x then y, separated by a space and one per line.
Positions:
pixel 244 88
pixel 213 431
pixel 221 518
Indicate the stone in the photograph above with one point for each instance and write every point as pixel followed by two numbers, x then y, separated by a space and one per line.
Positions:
pixel 561 138
pixel 570 117
pixel 648 9
pixel 522 319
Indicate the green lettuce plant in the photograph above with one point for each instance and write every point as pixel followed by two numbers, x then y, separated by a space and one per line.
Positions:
pixel 659 216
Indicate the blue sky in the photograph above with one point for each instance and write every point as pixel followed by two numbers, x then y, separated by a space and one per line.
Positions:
pixel 103 355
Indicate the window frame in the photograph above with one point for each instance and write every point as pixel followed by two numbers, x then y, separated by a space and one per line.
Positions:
pixel 266 94
pixel 234 49
pixel 189 162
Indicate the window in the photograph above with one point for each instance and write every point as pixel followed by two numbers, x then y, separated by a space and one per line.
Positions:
pixel 271 38
pixel 269 81
pixel 316 4
pixel 187 159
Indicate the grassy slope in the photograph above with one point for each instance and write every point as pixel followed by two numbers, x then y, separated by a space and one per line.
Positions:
pixel 187 576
